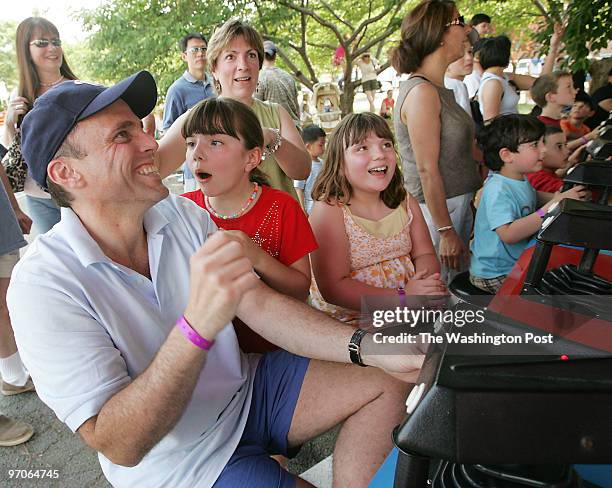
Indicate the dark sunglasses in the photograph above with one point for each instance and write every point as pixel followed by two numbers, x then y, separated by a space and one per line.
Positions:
pixel 45 42
pixel 460 21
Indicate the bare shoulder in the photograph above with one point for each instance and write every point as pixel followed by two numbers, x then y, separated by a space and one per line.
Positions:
pixel 326 214
pixel 422 100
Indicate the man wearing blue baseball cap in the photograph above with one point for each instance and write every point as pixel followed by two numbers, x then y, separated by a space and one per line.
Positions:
pixel 122 314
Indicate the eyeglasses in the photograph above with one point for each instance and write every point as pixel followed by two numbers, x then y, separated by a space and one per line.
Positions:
pixel 460 21
pixel 45 42
pixel 198 49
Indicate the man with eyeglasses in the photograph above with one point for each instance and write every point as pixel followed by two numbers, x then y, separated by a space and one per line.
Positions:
pixel 193 86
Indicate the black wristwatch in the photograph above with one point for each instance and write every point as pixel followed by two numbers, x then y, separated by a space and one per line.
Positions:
pixel 354 347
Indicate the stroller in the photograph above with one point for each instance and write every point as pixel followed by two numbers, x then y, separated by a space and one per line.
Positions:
pixel 327 104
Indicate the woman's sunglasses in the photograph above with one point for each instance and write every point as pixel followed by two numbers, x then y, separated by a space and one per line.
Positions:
pixel 45 42
pixel 460 21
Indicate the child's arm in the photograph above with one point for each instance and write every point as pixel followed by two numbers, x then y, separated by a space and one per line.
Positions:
pixel 300 194
pixel 555 41
pixel 492 93
pixel 527 226
pixel 577 143
pixel 331 267
pixel 423 253
pixel 293 280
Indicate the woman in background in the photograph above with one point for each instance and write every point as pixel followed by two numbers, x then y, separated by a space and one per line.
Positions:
pixel 42 66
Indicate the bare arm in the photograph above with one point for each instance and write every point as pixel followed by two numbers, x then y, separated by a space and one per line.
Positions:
pixel 330 262
pixel 527 226
pixel 331 265
pixel 492 92
pixel 293 280
pixel 313 334
pixel 555 42
pixel 17 107
pixel 525 82
pixel 606 104
pixel 172 149
pixel 292 156
pixel 147 409
pixel 164 390
pixel 420 111
pixel 423 253
pixel 577 143
pixel 300 194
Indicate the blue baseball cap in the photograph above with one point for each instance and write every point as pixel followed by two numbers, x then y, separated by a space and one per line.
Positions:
pixel 56 112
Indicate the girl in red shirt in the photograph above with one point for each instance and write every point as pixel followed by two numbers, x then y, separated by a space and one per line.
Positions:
pixel 225 145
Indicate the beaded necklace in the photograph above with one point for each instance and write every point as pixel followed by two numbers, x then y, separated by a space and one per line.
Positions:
pixel 46 85
pixel 239 212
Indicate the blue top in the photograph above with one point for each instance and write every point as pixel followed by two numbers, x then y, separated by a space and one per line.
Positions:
pixel 503 201
pixel 183 94
pixel 11 237
pixel 308 184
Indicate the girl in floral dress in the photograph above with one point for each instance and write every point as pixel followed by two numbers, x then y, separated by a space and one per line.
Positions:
pixel 372 237
pixel 225 145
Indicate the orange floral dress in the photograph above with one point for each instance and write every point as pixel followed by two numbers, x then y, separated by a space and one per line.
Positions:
pixel 379 254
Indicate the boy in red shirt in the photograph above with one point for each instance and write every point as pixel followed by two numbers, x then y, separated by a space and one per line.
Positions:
pixel 556 161
pixel 551 93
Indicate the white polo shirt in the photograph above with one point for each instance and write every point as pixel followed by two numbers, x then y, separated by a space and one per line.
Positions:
pixel 86 326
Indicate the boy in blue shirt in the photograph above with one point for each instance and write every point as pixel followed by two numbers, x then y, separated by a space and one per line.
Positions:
pixel 314 140
pixel 507 217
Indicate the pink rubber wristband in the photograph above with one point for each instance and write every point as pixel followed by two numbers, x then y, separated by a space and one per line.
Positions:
pixel 192 335
pixel 540 213
pixel 402 296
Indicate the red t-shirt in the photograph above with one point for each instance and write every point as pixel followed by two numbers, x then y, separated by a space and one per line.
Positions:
pixel 278 225
pixel 545 180
pixel 548 121
pixel 389 103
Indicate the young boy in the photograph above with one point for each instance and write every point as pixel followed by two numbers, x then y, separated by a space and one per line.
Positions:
pixel 387 105
pixel 556 160
pixel 552 93
pixel 314 140
pixel 574 126
pixel 507 217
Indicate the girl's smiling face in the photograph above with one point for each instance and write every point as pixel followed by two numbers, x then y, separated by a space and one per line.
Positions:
pixel 369 164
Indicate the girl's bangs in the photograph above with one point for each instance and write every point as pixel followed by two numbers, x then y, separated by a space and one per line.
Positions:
pixel 210 118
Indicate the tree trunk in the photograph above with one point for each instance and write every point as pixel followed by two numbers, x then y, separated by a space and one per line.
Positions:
pixel 347 98
pixel 348 89
pixel 599 69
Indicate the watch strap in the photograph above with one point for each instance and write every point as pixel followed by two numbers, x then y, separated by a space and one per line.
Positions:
pixel 354 347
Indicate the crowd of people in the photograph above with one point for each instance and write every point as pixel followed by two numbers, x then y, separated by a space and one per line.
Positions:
pixel 207 328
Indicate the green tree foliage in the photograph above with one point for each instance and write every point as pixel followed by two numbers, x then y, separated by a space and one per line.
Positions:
pixel 8 60
pixel 129 35
pixel 309 31
pixel 586 22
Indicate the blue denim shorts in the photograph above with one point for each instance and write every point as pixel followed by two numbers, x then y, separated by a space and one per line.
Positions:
pixel 277 384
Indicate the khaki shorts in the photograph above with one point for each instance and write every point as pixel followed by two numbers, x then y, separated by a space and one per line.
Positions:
pixel 8 262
